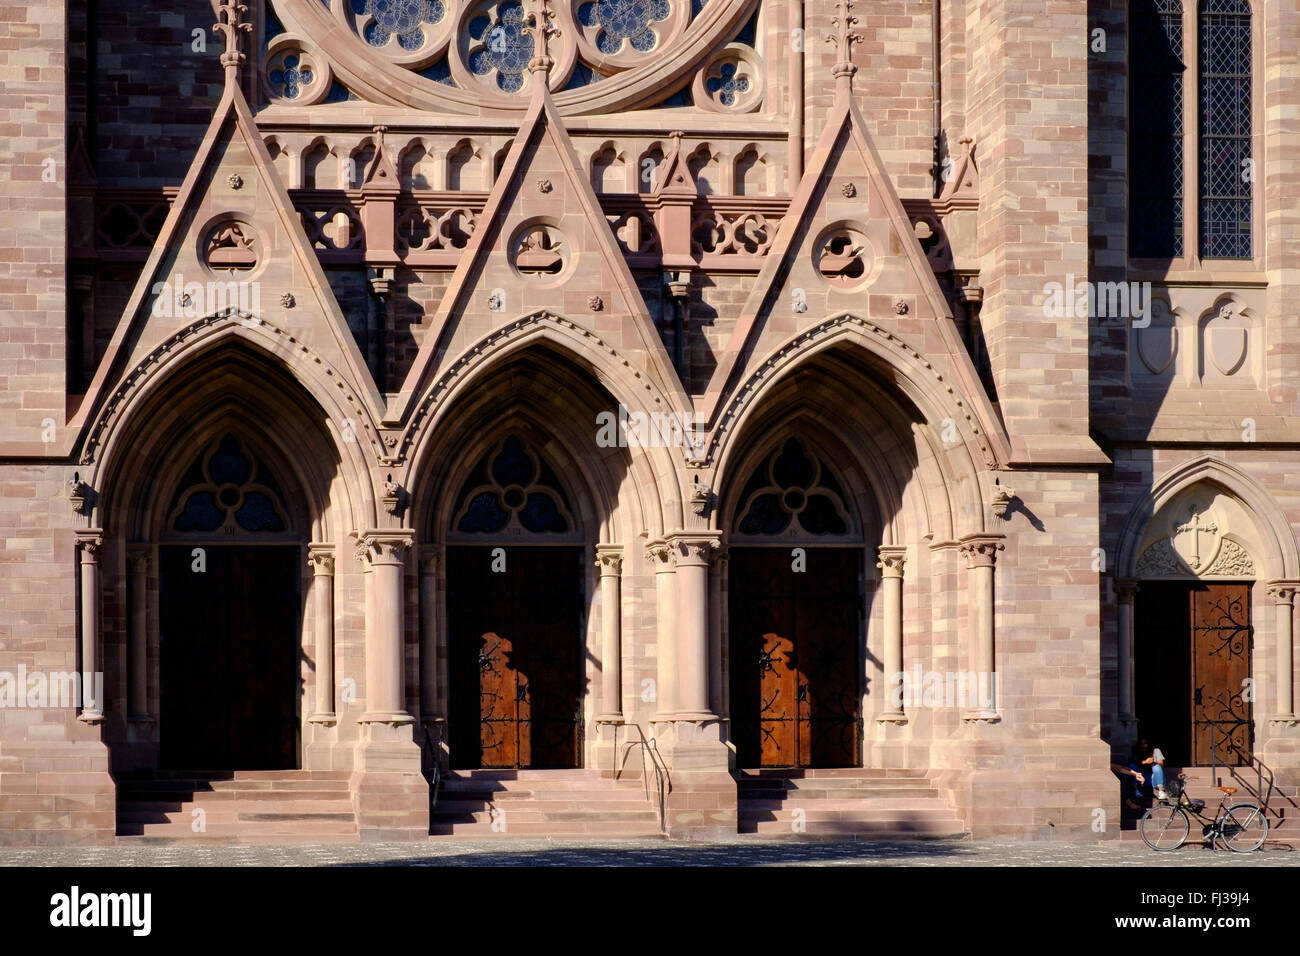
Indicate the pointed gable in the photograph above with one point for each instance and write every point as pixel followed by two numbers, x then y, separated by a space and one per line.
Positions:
pixel 232 240
pixel 846 245
pixel 542 243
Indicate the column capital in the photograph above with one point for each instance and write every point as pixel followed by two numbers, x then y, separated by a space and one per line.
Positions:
pixel 431 556
pixel 384 547
pixel 659 553
pixel 1125 588
pixel 1282 591
pixel 695 547
pixel 138 554
pixel 981 550
pixel 892 558
pixel 91 542
pixel 321 557
pixel 609 558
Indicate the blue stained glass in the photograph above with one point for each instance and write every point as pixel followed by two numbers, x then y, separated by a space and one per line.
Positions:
pixel 587 15
pixel 361 7
pixel 375 36
pixel 512 466
pixel 479 63
pixel 644 42
pixel 478 26
pixel 228 465
pixel 727 85
pixel 258 514
pixel 624 20
pixel 411 41
pixel 765 516
pixel 201 514
pixel 607 44
pixel 510 82
pixel 540 514
pixel 401 17
pixel 484 514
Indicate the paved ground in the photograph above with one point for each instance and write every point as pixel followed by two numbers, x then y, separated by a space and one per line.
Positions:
pixel 522 852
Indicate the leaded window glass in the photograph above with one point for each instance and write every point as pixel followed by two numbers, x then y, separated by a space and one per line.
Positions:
pixel 793 493
pixel 512 490
pixel 1156 129
pixel 228 490
pixel 1225 91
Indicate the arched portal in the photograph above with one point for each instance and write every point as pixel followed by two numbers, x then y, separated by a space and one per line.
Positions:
pixel 1194 632
pixel 229 573
pixel 515 583
pixel 795 564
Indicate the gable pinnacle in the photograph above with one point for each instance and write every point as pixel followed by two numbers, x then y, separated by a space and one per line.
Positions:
pixel 540 23
pixel 843 38
pixel 230 23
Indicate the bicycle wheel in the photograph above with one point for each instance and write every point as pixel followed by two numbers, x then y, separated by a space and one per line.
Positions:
pixel 1244 828
pixel 1164 827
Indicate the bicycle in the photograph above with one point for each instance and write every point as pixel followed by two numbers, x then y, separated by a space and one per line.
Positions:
pixel 1242 827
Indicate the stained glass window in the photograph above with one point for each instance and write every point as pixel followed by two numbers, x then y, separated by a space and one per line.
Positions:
pixel 401 18
pixel 228 489
pixel 513 488
pixel 1156 129
pixel 624 23
pixel 792 493
pixel 1226 162
pixel 505 48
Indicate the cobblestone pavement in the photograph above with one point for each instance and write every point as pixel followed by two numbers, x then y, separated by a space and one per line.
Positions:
pixel 525 852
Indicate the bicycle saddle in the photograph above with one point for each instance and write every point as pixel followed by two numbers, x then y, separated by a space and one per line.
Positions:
pixel 1229 790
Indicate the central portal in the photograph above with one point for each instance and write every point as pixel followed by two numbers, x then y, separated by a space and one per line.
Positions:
pixel 516 624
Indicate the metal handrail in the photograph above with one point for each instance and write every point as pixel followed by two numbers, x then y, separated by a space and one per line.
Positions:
pixel 1260 794
pixel 433 768
pixel 650 748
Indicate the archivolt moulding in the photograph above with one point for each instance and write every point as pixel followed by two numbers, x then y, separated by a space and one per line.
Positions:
pixel 794 350
pixel 496 343
pixel 283 345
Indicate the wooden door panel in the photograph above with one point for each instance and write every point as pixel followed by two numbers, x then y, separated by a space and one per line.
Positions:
pixel 1221 638
pixel 515 637
pixel 794 658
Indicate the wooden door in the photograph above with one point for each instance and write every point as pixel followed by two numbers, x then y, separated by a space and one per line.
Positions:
pixel 516 668
pixel 794 658
pixel 229 638
pixel 1220 651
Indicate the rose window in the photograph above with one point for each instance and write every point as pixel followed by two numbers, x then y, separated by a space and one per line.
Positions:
pixel 727 85
pixel 620 22
pixel 290 76
pixel 732 82
pixel 500 45
pixel 403 20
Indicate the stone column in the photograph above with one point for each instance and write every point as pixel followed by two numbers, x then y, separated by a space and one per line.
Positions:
pixel 137 652
pixel 1124 590
pixel 693 554
pixel 430 566
pixel 384 552
pixel 981 556
pixel 90 543
pixel 321 558
pixel 609 559
pixel 892 558
pixel 1283 594
pixel 661 557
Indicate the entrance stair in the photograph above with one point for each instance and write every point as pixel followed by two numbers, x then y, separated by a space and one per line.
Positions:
pixel 237 807
pixel 487 804
pixel 850 803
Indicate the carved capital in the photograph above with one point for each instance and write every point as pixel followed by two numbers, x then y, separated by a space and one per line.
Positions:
pixel 90 543
pixel 138 557
pixel 609 559
pixel 384 547
pixel 981 550
pixel 1282 592
pixel 694 548
pixel 431 558
pixel 321 558
pixel 1125 588
pixel 892 559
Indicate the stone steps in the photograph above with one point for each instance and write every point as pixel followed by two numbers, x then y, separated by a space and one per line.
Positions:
pixel 290 806
pixel 869 804
pixel 493 803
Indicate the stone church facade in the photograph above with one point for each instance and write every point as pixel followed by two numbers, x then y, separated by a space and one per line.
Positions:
pixel 649 400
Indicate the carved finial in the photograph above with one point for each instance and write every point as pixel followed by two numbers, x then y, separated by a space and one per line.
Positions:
pixel 844 37
pixel 230 23
pixel 540 22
